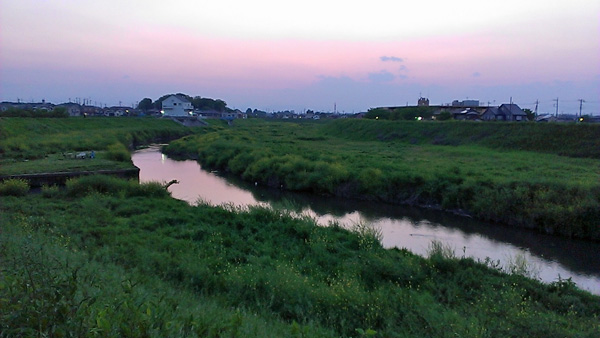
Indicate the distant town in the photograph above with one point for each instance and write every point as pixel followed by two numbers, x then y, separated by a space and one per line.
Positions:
pixel 182 106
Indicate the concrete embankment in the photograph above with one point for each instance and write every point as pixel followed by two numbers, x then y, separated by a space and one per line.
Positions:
pixel 60 178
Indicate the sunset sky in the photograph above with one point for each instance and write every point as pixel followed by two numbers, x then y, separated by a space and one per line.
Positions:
pixel 277 55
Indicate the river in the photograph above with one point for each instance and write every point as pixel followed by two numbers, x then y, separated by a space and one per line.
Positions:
pixel 548 257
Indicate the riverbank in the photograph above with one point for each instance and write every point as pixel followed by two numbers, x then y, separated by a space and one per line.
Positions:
pixel 521 188
pixel 120 258
pixel 51 151
pixel 38 180
pixel 411 228
pixel 107 256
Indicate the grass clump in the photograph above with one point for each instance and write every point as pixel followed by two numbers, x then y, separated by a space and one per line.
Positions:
pixel 117 152
pixel 50 191
pixel 110 185
pixel 14 187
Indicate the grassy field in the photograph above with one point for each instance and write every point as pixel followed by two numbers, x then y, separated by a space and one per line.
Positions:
pixel 34 145
pixel 484 177
pixel 107 257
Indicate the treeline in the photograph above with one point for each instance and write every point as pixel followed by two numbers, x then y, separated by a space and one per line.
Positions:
pixel 403 113
pixel 57 112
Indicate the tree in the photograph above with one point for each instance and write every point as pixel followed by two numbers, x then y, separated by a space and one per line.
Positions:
pixel 444 115
pixel 530 114
pixel 59 112
pixel 220 105
pixel 378 113
pixel 145 104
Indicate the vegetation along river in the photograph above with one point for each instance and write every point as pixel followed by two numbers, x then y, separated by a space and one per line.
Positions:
pixel 547 257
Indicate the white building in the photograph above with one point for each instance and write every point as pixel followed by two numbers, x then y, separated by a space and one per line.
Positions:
pixel 175 105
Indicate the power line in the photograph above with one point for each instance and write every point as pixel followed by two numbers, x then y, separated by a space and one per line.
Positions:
pixel 581 101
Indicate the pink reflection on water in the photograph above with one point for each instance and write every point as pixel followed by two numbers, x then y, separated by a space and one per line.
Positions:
pixel 194 184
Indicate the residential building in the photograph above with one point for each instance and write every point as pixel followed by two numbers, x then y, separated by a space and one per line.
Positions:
pixel 177 105
pixel 506 112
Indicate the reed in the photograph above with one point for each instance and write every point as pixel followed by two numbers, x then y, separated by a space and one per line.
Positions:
pixel 469 174
pixel 116 260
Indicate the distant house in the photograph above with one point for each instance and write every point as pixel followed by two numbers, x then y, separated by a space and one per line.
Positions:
pixel 176 105
pixel 490 114
pixel 545 118
pixel 73 109
pixel 208 114
pixel 467 114
pixel 506 112
pixel 116 111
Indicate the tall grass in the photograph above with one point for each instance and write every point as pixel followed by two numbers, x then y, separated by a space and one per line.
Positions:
pixel 574 140
pixel 120 262
pixel 31 138
pixel 521 188
pixel 50 288
pixel 14 187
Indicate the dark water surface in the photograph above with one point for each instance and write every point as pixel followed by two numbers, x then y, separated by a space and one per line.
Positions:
pixel 402 227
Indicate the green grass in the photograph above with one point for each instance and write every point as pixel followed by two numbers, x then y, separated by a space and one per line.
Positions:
pixel 60 163
pixel 33 145
pixel 110 257
pixel 573 140
pixel 540 190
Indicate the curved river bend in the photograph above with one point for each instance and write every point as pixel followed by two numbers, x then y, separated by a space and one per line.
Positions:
pixel 402 227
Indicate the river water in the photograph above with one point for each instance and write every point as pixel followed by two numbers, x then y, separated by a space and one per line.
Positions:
pixel 547 257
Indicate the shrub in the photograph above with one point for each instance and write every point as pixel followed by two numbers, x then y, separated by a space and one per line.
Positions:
pixel 96 183
pixel 149 189
pixel 118 152
pixel 444 115
pixel 50 191
pixel 14 187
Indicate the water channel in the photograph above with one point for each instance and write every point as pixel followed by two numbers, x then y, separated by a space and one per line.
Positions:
pixel 402 227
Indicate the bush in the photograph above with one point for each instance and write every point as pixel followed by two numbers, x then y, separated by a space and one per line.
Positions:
pixel 149 189
pixel 118 152
pixel 444 116
pixel 50 191
pixel 96 183
pixel 14 187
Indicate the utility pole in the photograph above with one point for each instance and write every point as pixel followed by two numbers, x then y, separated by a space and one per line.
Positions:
pixel 581 101
pixel 556 106
pixel 536 107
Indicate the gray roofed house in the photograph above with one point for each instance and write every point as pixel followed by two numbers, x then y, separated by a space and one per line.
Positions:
pixel 490 114
pixel 506 112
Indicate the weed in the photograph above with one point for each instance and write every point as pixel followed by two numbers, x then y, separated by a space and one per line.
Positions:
pixel 14 187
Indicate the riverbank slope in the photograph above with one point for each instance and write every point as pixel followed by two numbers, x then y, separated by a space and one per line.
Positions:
pixel 107 256
pixel 489 177
pixel 75 146
pixel 111 257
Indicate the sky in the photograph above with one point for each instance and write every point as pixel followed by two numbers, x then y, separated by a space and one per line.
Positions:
pixel 298 55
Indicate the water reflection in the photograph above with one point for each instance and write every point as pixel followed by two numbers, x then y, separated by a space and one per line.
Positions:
pixel 401 226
